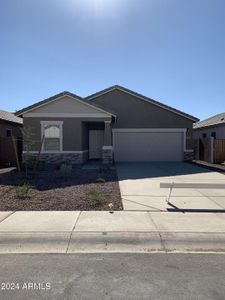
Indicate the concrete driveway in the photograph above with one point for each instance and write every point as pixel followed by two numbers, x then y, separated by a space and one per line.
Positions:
pixel 195 188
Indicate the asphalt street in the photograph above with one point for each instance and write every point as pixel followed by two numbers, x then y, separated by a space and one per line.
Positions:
pixel 112 276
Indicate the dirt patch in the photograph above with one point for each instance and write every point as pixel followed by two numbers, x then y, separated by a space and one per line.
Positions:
pixel 52 190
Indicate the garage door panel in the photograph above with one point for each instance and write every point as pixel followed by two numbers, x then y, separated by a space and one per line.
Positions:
pixel 148 146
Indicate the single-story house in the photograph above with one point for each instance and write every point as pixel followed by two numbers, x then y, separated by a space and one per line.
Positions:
pixel 211 127
pixel 113 124
pixel 10 126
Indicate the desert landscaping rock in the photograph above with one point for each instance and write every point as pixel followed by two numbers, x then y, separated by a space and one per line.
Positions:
pixel 50 190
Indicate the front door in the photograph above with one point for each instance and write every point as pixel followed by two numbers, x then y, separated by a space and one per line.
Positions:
pixel 95 143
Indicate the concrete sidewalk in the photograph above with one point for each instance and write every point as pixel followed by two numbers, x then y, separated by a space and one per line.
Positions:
pixel 102 231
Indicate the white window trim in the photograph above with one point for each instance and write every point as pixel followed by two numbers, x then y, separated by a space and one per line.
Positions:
pixel 60 123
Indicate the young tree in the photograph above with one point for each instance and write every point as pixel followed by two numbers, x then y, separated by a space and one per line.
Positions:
pixel 28 143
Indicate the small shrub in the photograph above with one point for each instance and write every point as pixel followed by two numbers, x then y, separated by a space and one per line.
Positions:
pixel 23 190
pixel 100 179
pixel 65 169
pixel 96 196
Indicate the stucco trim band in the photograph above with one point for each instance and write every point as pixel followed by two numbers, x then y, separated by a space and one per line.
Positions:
pixel 149 130
pixel 66 115
pixel 107 147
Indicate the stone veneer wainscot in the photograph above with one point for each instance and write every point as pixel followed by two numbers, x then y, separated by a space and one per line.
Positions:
pixel 57 158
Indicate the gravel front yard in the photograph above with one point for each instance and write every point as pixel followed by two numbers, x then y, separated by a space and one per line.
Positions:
pixel 52 190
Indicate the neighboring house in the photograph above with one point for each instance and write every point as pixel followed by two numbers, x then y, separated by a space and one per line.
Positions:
pixel 115 123
pixel 10 126
pixel 211 127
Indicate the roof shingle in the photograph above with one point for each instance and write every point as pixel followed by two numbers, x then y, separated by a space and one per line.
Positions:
pixel 7 116
pixel 214 120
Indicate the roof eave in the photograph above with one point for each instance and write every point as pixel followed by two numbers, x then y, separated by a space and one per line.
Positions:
pixel 209 126
pixel 12 122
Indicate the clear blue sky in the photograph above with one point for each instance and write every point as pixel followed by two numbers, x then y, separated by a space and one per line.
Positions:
pixel 170 50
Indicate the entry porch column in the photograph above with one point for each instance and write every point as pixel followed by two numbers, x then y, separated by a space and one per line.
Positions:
pixel 107 149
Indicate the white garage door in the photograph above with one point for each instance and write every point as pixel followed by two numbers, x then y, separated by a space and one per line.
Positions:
pixel 148 146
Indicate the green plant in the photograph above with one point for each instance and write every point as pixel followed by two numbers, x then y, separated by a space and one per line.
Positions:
pixel 23 190
pixel 100 179
pixel 65 169
pixel 96 196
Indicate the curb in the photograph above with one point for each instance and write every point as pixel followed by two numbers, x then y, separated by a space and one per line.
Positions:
pixel 112 242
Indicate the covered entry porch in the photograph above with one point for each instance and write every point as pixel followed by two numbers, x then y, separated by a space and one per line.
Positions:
pixel 97 138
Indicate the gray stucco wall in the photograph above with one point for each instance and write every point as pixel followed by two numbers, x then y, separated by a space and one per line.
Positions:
pixel 132 112
pixel 219 129
pixel 16 129
pixel 7 151
pixel 85 136
pixel 75 132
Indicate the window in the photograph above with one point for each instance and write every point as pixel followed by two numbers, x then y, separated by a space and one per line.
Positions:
pixel 213 134
pixel 8 132
pixel 52 131
pixel 204 135
pixel 188 134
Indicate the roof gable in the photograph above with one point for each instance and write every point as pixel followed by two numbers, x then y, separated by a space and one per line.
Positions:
pixel 143 98
pixel 63 103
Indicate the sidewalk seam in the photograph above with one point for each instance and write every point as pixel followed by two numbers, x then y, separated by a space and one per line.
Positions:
pixel 7 216
pixel 72 231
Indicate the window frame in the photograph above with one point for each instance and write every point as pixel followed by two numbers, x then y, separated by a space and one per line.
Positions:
pixel 213 134
pixel 58 123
